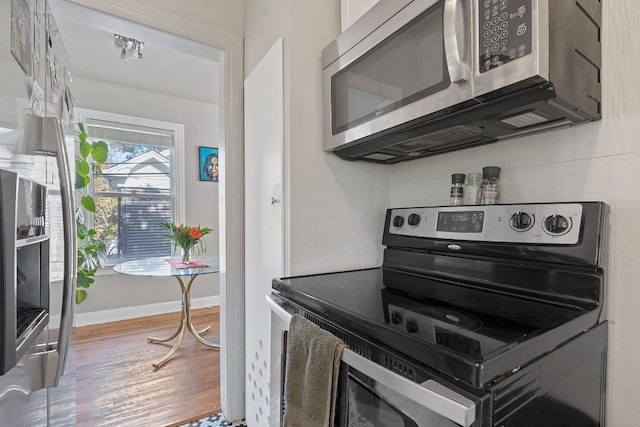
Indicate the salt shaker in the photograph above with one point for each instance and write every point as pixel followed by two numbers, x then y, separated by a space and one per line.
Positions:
pixel 472 188
pixel 490 189
pixel 457 189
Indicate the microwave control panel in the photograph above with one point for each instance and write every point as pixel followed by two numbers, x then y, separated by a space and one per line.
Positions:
pixel 505 32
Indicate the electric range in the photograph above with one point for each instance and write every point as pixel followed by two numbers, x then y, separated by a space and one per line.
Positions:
pixel 502 303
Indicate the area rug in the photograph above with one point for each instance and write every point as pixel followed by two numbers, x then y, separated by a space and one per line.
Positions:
pixel 215 420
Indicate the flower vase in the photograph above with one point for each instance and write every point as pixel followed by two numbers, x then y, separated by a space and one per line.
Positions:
pixel 186 255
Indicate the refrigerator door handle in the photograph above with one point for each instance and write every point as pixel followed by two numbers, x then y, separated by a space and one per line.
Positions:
pixel 55 355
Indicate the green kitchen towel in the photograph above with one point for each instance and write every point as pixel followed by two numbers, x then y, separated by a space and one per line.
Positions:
pixel 315 386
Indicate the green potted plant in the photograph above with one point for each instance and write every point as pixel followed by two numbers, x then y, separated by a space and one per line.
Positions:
pixel 91 250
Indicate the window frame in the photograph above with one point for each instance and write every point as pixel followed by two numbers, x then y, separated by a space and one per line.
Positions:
pixel 177 197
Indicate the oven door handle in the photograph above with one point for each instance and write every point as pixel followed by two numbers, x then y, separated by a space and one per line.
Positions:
pixel 430 394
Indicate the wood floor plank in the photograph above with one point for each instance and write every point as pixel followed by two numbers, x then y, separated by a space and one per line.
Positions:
pixel 117 386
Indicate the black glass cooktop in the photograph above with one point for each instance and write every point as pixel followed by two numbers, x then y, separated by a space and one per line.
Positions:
pixel 456 328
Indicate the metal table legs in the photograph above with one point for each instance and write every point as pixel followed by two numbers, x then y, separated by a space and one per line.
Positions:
pixel 185 324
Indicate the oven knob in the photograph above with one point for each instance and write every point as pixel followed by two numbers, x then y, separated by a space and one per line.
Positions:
pixel 398 221
pixel 396 318
pixel 521 221
pixel 413 220
pixel 557 225
pixel 412 326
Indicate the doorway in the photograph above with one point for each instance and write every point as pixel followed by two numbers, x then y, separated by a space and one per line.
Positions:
pixel 225 50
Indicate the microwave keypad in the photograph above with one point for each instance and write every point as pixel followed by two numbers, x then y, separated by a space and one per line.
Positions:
pixel 505 32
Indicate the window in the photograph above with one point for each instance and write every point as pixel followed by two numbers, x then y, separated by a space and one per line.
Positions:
pixel 137 186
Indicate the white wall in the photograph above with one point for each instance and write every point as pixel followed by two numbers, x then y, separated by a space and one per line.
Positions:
pixel 200 120
pixel 204 15
pixel 351 10
pixel 334 209
pixel 596 161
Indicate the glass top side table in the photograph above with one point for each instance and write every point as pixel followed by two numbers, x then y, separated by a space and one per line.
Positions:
pixel 160 267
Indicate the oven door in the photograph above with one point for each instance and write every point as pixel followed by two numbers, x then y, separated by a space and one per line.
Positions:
pixel 377 396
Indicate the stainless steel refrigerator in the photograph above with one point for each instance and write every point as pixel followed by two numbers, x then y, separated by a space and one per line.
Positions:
pixel 37 226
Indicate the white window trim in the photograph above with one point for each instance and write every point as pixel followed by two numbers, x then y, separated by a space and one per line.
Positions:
pixel 178 177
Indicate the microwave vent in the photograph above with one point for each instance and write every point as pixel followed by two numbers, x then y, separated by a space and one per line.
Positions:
pixel 445 136
pixel 379 157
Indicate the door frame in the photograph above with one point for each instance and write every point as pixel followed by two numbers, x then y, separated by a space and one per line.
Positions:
pixel 231 185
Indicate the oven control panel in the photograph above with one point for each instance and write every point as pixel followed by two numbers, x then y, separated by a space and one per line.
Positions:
pixel 526 223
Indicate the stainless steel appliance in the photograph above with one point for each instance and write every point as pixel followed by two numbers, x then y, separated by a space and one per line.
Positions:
pixel 414 78
pixel 479 316
pixel 25 311
pixel 37 231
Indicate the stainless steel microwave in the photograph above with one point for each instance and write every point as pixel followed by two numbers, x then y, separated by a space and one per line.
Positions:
pixel 413 78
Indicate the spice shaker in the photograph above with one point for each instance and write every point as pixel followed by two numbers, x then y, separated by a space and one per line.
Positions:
pixel 457 189
pixel 472 188
pixel 490 189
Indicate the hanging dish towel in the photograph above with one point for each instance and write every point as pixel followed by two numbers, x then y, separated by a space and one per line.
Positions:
pixel 315 385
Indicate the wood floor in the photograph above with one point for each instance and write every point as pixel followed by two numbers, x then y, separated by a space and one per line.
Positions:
pixel 117 386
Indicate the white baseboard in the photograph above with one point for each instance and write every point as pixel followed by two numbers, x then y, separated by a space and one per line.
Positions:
pixel 125 313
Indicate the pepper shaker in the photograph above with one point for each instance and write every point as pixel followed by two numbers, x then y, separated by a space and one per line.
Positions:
pixel 490 190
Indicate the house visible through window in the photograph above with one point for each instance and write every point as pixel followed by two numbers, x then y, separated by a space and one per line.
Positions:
pixel 135 190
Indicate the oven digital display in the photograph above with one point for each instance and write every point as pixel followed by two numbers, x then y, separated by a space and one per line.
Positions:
pixel 460 222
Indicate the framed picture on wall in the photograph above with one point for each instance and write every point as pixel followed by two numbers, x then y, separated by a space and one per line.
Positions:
pixel 209 164
pixel 21 34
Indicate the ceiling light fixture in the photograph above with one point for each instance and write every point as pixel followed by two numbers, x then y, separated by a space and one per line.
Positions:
pixel 129 48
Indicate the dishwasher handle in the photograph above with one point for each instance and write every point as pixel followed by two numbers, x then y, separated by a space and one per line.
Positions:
pixel 430 394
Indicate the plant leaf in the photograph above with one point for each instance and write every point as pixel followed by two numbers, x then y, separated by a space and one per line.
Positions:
pixel 82 137
pixel 81 181
pixel 84 148
pixel 82 168
pixel 99 152
pixel 81 295
pixel 88 203
pixel 91 249
pixel 82 280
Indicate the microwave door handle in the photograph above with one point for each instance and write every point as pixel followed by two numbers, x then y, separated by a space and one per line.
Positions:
pixel 457 69
pixel 433 395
